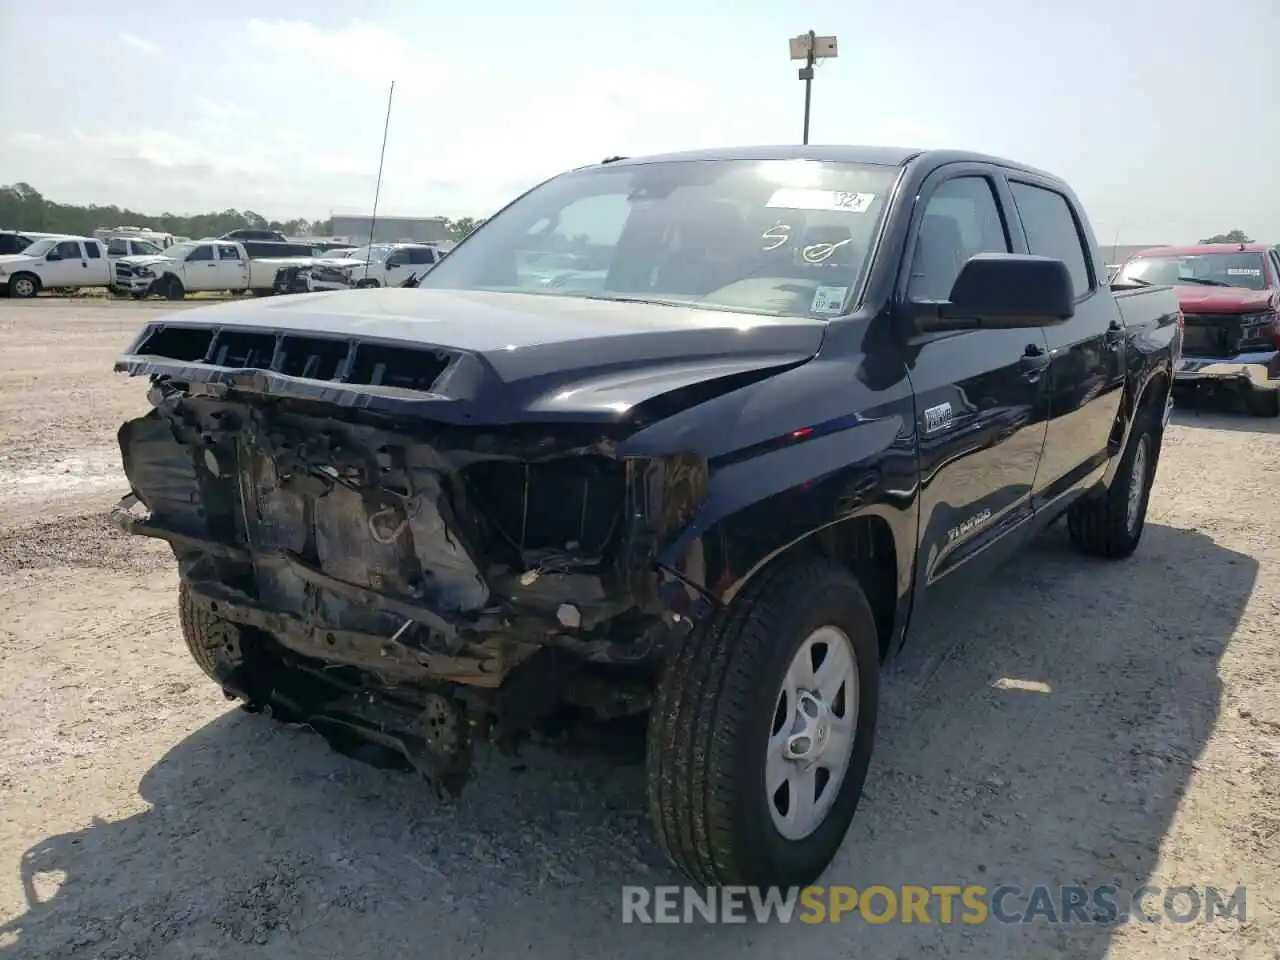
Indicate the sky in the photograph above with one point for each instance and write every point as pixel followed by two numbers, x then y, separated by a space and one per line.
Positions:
pixel 1163 116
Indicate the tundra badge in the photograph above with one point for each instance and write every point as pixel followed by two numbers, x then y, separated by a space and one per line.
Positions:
pixel 937 418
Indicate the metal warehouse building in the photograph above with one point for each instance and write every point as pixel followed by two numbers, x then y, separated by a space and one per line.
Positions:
pixel 391 229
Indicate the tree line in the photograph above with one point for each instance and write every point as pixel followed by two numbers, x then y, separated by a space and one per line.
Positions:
pixel 23 207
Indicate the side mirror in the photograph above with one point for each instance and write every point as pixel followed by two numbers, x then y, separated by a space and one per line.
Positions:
pixel 1003 291
pixel 53 255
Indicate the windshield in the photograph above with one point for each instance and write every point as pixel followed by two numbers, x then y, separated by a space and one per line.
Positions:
pixel 783 238
pixel 1205 269
pixel 378 251
pixel 40 247
pixel 142 246
pixel 178 251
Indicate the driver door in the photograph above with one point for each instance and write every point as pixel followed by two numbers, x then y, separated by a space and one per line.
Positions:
pixel 68 268
pixel 981 395
pixel 396 268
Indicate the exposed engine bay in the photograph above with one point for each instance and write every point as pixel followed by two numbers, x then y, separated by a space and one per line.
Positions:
pixel 406 583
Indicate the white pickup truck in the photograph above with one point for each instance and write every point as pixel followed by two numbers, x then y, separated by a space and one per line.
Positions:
pixel 55 263
pixel 379 265
pixel 205 266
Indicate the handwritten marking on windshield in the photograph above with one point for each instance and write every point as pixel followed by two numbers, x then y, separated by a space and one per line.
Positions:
pixel 820 252
pixel 778 234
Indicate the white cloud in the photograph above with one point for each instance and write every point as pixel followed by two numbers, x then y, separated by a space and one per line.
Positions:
pixel 222 112
pixel 137 42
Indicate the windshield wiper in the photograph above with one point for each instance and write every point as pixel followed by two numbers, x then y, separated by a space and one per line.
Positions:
pixel 1202 280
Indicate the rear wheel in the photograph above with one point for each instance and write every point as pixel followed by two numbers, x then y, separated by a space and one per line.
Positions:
pixel 1262 403
pixel 762 730
pixel 1111 525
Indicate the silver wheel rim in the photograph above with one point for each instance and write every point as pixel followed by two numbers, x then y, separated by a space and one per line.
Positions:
pixel 1137 484
pixel 815 719
pixel 23 287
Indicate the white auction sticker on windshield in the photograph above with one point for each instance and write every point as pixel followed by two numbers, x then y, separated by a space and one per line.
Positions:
pixel 1244 271
pixel 828 300
pixel 799 198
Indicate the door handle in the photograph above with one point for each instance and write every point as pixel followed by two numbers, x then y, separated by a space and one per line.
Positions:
pixel 1034 362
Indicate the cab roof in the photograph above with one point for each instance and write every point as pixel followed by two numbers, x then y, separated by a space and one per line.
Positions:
pixel 848 153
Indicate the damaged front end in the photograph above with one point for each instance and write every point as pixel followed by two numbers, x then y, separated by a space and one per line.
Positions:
pixel 406 583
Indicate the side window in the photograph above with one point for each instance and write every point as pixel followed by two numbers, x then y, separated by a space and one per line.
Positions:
pixel 201 253
pixel 961 220
pixel 228 251
pixel 1275 268
pixel 93 250
pixel 68 250
pixel 420 255
pixel 1052 230
pixel 117 248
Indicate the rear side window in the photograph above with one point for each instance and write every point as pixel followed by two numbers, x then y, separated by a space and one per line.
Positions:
pixel 1052 230
pixel 227 251
pixel 91 248
pixel 961 220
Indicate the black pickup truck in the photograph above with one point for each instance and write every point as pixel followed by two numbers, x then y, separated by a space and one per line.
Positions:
pixel 784 397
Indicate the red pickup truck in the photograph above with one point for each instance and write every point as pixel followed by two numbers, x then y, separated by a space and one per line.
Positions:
pixel 1230 299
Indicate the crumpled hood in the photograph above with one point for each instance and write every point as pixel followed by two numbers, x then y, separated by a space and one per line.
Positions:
pixel 339 263
pixel 1194 298
pixel 502 357
pixel 144 260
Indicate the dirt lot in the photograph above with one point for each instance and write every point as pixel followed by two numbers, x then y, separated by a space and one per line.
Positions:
pixel 142 816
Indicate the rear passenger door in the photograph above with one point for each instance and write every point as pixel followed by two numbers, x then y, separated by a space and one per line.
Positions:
pixel 98 273
pixel 979 393
pixel 1086 371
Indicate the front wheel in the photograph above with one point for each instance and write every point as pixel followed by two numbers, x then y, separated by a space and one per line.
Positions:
pixel 174 290
pixel 762 729
pixel 24 286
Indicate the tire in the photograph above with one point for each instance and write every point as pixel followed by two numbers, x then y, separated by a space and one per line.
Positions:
pixel 24 286
pixel 366 284
pixel 717 711
pixel 138 296
pixel 208 638
pixel 174 290
pixel 1105 526
pixel 262 293
pixel 1262 403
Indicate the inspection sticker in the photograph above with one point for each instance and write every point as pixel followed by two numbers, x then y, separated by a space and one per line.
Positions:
pixel 828 300
pixel 797 198
pixel 1244 271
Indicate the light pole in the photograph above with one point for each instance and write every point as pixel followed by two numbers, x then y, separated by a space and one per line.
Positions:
pixel 810 48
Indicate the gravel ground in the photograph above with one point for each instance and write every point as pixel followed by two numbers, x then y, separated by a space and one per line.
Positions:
pixel 142 816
